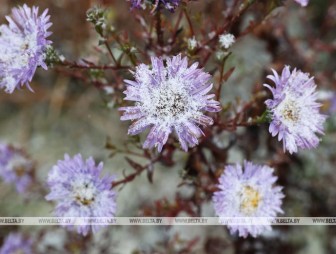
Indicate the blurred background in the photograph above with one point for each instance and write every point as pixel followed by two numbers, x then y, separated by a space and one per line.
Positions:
pixel 70 115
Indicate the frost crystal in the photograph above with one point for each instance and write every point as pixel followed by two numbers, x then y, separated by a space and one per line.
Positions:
pixel 192 43
pixel 16 167
pixel 16 243
pixel 22 46
pixel 169 97
pixel 79 191
pixel 248 192
pixel 226 40
pixel 295 113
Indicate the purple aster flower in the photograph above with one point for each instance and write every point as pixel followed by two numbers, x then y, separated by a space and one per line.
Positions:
pixel 294 111
pixel 16 167
pixel 79 191
pixel 169 96
pixel 16 243
pixel 302 2
pixel 248 192
pixel 168 4
pixel 22 46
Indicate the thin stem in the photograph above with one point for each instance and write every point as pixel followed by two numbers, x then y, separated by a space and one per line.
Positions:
pixel 131 153
pixel 239 121
pixel 218 92
pixel 159 31
pixel 130 56
pixel 76 65
pixel 176 27
pixel 243 7
pixel 220 84
pixel 130 177
pixel 111 53
pixel 189 22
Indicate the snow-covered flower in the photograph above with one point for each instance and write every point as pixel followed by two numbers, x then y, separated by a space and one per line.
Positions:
pixel 167 4
pixel 248 192
pixel 192 43
pixel 169 97
pixel 302 2
pixel 16 167
pixel 79 191
pixel 226 40
pixel 294 111
pixel 22 46
pixel 16 243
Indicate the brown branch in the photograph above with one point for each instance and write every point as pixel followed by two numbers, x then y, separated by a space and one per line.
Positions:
pixel 242 9
pixel 130 177
pixel 189 22
pixel 159 31
pixel 176 27
pixel 92 66
pixel 110 52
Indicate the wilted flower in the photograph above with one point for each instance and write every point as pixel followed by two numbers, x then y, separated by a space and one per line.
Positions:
pixel 16 243
pixel 170 96
pixel 248 192
pixel 16 167
pixel 294 111
pixel 22 46
pixel 79 191
pixel 302 2
pixel 168 4
pixel 226 40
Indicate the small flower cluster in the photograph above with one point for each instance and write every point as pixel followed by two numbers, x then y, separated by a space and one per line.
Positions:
pixel 96 16
pixel 16 167
pixel 22 46
pixel 226 40
pixel 192 43
pixel 79 190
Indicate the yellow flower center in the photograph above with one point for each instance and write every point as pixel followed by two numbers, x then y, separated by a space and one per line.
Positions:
pixel 290 112
pixel 84 201
pixel 84 193
pixel 249 200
